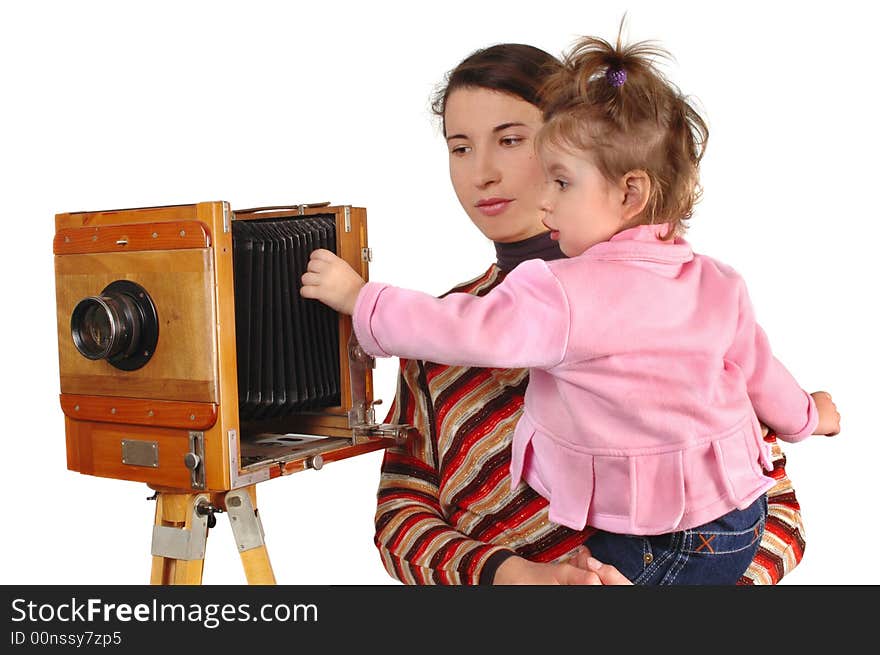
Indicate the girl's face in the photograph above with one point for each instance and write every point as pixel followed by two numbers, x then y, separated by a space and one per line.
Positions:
pixel 582 207
pixel 495 171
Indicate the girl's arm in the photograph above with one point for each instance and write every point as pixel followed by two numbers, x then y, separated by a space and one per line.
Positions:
pixel 521 323
pixel 777 398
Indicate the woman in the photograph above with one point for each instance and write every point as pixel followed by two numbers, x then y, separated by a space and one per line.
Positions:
pixel 446 513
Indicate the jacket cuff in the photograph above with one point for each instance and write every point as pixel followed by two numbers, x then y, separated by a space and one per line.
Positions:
pixel 809 428
pixel 362 316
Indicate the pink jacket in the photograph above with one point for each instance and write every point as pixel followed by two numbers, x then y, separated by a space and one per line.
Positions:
pixel 647 373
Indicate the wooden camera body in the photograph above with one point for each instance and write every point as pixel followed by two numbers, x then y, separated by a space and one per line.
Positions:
pixel 149 360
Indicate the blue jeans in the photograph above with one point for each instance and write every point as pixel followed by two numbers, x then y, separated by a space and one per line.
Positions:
pixel 716 553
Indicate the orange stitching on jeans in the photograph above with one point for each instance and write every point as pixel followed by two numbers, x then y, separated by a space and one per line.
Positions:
pixel 705 543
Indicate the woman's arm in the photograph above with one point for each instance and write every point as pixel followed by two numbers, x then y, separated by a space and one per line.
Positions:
pixel 416 542
pixel 783 542
pixel 419 545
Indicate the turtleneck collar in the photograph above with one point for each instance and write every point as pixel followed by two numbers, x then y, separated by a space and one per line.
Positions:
pixel 540 246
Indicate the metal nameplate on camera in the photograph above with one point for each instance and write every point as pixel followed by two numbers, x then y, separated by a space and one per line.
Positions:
pixel 140 453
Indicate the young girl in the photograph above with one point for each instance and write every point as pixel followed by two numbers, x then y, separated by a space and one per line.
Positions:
pixel 648 372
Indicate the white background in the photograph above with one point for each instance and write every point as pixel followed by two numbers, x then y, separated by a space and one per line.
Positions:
pixel 113 104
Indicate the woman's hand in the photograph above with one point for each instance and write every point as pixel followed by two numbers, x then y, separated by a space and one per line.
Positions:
pixel 581 569
pixel 332 281
pixel 829 417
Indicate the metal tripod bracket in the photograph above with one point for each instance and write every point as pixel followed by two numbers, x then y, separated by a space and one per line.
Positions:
pixel 247 528
pixel 183 543
pixel 362 415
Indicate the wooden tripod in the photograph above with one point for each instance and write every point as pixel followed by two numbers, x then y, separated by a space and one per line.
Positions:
pixel 180 534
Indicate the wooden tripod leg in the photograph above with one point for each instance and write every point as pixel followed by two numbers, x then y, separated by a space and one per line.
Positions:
pixel 248 532
pixel 179 538
pixel 257 567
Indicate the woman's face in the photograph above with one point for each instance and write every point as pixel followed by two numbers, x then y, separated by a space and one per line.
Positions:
pixel 494 168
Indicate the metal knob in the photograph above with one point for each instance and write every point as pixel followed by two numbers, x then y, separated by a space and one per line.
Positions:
pixel 191 461
pixel 315 462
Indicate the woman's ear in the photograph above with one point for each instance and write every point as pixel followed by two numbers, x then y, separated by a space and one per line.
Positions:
pixel 636 191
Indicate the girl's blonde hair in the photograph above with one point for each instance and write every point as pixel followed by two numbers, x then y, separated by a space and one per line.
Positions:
pixel 612 102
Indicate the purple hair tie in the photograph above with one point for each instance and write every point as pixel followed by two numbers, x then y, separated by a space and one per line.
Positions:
pixel 615 76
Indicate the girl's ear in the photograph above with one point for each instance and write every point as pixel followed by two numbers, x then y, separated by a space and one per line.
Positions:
pixel 636 191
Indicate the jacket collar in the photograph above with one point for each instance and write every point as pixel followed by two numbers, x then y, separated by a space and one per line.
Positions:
pixel 642 243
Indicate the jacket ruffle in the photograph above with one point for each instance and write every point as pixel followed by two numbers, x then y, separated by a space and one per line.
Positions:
pixel 643 491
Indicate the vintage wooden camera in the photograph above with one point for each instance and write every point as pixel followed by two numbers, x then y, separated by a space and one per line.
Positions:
pixel 189 361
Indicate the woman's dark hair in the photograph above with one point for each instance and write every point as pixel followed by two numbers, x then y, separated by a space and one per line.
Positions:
pixel 514 68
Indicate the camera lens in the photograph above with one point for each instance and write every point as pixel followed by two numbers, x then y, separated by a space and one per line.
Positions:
pixel 94 327
pixel 98 324
pixel 120 326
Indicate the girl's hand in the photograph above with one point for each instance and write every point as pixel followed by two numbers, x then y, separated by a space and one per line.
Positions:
pixel 332 281
pixel 517 570
pixel 829 417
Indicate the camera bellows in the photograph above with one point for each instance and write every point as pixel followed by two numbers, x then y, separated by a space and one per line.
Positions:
pixel 287 347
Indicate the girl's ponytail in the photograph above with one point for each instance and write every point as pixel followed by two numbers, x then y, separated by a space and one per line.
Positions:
pixel 612 101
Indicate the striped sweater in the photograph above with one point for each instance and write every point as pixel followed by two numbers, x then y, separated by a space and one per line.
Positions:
pixel 445 511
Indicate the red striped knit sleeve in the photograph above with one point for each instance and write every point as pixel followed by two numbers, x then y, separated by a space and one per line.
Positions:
pixel 782 545
pixel 416 542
